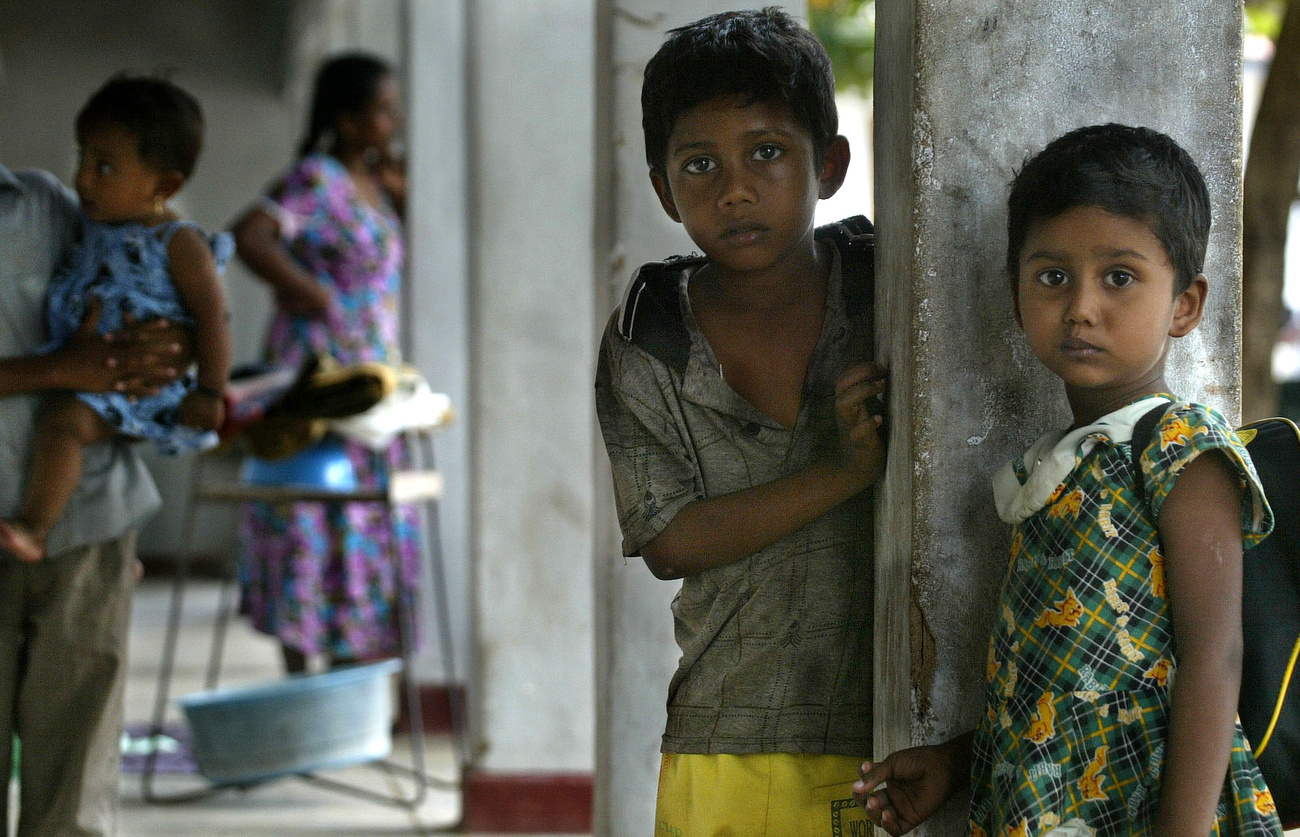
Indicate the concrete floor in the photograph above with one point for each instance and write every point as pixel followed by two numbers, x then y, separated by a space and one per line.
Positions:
pixel 275 809
pixel 283 808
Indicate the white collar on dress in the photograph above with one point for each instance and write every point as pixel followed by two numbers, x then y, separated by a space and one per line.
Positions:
pixel 1055 455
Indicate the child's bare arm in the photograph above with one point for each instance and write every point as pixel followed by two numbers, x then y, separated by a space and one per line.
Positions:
pixel 720 530
pixel 257 239
pixel 916 783
pixel 195 275
pixel 1200 530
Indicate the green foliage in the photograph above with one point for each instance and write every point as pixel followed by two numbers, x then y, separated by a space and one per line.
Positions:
pixel 847 28
pixel 1264 17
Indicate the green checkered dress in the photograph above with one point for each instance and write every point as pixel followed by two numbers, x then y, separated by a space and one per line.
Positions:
pixel 1082 659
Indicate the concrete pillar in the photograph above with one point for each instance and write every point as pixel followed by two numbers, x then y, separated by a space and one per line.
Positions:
pixel 436 304
pixel 531 107
pixel 963 92
pixel 635 650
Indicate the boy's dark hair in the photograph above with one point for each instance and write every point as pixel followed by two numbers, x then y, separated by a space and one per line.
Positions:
pixel 1132 172
pixel 759 54
pixel 345 85
pixel 165 120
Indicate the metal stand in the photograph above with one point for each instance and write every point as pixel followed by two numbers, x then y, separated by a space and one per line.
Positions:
pixel 422 484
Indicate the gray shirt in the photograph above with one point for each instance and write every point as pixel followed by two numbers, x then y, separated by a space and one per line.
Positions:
pixel 776 648
pixel 39 219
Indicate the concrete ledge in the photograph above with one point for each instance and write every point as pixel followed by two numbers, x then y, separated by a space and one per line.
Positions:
pixel 514 803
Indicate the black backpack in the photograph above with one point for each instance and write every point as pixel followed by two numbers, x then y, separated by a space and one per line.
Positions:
pixel 1270 607
pixel 651 317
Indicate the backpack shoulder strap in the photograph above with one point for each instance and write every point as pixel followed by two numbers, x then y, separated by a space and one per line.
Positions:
pixel 651 315
pixel 1142 431
pixel 855 238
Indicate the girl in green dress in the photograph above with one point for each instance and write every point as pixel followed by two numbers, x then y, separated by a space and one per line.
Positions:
pixel 1115 660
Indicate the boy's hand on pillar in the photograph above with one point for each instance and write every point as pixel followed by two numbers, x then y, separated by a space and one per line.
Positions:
pixel 860 419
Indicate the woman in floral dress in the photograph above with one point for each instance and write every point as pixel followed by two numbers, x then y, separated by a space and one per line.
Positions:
pixel 327 237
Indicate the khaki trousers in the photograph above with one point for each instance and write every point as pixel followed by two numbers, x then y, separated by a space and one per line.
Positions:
pixel 63 631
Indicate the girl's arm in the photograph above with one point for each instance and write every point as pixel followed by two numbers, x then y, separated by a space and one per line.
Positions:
pixel 195 276
pixel 1200 532
pixel 257 240
pixel 917 782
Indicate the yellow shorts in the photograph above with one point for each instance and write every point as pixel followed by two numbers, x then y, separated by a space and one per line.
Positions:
pixel 776 795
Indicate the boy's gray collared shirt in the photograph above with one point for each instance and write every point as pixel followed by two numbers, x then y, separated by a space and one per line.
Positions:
pixel 38 222
pixel 776 648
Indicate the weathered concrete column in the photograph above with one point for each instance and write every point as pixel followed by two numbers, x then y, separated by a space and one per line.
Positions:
pixel 963 92
pixel 531 101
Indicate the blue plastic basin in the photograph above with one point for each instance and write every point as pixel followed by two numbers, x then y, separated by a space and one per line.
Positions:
pixel 301 724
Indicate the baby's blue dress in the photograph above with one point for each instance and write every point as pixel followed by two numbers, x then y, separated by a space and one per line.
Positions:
pixel 125 266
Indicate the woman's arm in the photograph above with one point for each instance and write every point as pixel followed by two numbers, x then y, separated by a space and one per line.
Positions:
pixel 1200 532
pixel 257 240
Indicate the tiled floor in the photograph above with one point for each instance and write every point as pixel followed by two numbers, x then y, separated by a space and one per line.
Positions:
pixel 276 809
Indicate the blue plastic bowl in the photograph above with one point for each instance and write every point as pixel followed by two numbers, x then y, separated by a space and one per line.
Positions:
pixel 302 724
pixel 324 465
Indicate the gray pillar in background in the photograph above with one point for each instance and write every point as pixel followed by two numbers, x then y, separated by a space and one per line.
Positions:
pixel 435 307
pixel 964 91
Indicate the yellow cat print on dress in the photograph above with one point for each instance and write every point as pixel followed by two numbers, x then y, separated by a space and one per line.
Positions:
pixel 1065 615
pixel 1092 780
pixel 1176 431
pixel 1021 830
pixel 1069 504
pixel 1157 573
pixel 1043 727
pixel 1159 672
pixel 1013 674
pixel 1049 820
pixel 1264 802
pixel 976 831
pixel 993 665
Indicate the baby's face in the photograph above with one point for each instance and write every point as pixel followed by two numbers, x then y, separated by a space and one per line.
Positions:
pixel 114 184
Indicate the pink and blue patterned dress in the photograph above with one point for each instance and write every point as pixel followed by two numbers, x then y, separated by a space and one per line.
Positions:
pixel 1082 659
pixel 325 578
pixel 125 267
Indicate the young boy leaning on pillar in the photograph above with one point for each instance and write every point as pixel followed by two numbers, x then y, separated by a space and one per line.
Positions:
pixel 742 423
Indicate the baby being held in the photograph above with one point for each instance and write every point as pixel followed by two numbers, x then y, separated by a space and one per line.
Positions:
pixel 139 139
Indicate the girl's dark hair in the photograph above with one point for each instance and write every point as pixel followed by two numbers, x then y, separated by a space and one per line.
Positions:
pixel 1131 172
pixel 345 85
pixel 165 120
pixel 759 54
